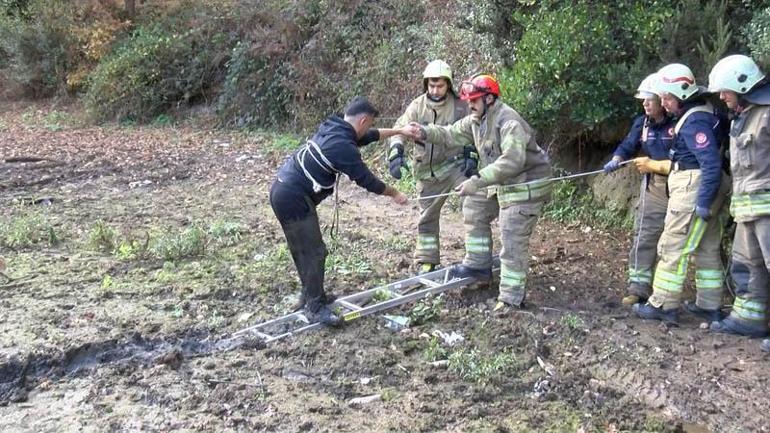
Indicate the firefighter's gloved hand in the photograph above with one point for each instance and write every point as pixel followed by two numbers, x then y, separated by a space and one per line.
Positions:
pixel 396 160
pixel 470 186
pixel 471 164
pixel 703 212
pixel 611 166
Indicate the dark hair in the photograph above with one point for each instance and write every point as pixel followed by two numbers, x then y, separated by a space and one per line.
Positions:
pixel 360 105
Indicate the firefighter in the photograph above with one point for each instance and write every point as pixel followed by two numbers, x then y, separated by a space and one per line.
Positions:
pixel 437 169
pixel 742 86
pixel 307 177
pixel 697 190
pixel 651 135
pixel 509 156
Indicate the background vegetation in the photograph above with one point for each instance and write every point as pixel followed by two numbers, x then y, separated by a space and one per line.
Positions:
pixel 570 67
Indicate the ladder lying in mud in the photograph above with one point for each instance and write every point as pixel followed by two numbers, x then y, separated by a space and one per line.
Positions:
pixel 363 303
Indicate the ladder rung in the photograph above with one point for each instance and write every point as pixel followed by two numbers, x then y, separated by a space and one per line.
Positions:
pixel 349 305
pixel 430 283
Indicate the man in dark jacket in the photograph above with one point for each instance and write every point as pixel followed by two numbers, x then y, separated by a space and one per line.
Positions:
pixel 310 175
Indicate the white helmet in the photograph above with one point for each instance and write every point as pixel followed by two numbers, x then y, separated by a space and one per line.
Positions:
pixel 676 79
pixel 737 73
pixel 647 87
pixel 437 69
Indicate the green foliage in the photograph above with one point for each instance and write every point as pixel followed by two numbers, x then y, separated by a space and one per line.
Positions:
pixel 191 242
pixel 572 203
pixel 573 321
pixel 434 351
pixel 27 228
pixel 476 366
pixel 226 233
pixel 426 310
pixel 758 37
pixel 102 236
pixel 173 61
pixel 381 295
pixel 38 44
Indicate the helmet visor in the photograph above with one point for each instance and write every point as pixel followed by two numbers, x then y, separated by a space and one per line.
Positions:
pixel 468 90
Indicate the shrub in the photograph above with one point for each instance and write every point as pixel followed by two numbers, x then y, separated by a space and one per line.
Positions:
pixel 173 62
pixel 758 38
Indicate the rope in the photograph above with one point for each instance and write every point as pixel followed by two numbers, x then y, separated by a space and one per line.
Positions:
pixel 532 182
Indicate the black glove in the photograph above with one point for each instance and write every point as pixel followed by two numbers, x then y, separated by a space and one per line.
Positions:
pixel 396 160
pixel 471 164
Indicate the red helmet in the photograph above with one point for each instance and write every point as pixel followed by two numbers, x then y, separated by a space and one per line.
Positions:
pixel 480 85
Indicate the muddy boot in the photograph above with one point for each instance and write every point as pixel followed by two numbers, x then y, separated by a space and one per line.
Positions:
pixel 707 315
pixel 325 316
pixel 462 271
pixel 503 307
pixel 649 312
pixel 637 293
pixel 732 326
pixel 424 268
pixel 765 346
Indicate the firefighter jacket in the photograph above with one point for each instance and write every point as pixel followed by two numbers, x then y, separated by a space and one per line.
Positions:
pixel 749 157
pixel 648 138
pixel 697 146
pixel 430 160
pixel 508 152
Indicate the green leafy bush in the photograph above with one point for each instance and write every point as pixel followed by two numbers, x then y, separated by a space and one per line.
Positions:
pixel 173 62
pixel 758 37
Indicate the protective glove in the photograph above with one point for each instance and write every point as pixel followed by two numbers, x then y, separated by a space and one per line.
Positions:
pixel 470 186
pixel 647 165
pixel 611 166
pixel 703 212
pixel 396 160
pixel 471 164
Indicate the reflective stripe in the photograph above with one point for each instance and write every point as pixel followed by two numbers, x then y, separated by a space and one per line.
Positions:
pixel 512 278
pixel 427 242
pixel 640 275
pixel 477 244
pixel 446 167
pixel 749 309
pixel 668 281
pixel 709 279
pixel 748 205
pixel 693 239
pixel 513 194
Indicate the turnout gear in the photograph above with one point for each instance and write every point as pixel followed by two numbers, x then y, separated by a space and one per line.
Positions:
pixel 437 169
pixel 653 139
pixel 509 155
pixel 437 69
pixel 695 185
pixel 736 73
pixel 479 85
pixel 471 166
pixel 676 79
pixel 646 88
pixel 396 160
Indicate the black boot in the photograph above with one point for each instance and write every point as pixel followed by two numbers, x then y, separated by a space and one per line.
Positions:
pixel 325 316
pixel 707 315
pixel 649 312
pixel 765 346
pixel 732 326
pixel 462 271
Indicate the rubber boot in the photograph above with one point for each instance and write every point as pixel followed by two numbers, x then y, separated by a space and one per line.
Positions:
pixel 424 268
pixel 649 312
pixel 707 315
pixel 462 271
pixel 732 326
pixel 325 316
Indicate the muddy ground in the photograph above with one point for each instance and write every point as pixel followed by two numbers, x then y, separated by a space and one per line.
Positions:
pixel 132 251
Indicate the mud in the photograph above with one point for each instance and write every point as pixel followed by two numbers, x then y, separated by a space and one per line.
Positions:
pixel 95 339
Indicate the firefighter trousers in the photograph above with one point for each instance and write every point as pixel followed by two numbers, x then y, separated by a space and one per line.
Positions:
pixel 648 227
pixel 517 221
pixel 685 235
pixel 751 261
pixel 428 227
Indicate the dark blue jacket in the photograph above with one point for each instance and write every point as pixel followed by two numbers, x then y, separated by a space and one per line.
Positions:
pixel 659 139
pixel 697 145
pixel 339 144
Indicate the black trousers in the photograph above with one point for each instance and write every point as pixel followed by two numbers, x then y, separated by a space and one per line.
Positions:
pixel 305 241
